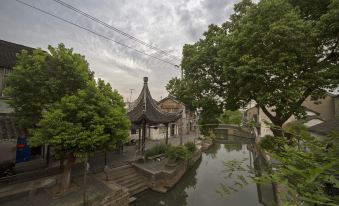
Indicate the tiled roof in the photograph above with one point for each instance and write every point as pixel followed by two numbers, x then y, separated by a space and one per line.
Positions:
pixel 145 108
pixel 170 97
pixel 326 128
pixel 8 53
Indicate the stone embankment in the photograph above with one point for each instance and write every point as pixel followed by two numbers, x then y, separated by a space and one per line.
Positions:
pixel 162 175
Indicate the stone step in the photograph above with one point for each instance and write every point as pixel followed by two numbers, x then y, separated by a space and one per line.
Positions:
pixel 137 189
pixel 131 183
pixel 130 178
pixel 131 200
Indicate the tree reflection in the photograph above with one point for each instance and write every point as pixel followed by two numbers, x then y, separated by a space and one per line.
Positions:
pixel 233 147
pixel 212 151
pixel 241 173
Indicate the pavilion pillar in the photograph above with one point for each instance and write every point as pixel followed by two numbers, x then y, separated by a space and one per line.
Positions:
pixel 139 142
pixel 143 137
pixel 166 133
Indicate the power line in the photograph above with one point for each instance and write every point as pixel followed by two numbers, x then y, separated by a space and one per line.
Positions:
pixel 95 33
pixel 114 29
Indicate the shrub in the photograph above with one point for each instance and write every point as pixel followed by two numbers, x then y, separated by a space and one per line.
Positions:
pixel 177 153
pixel 190 147
pixel 210 136
pixel 271 143
pixel 156 150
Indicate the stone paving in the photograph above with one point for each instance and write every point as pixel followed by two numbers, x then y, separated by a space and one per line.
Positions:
pixel 42 197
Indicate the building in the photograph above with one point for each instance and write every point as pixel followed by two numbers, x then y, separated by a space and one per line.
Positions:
pixel 146 116
pixel 188 121
pixel 317 113
pixel 8 52
pixel 159 129
pixel 326 128
pixel 13 144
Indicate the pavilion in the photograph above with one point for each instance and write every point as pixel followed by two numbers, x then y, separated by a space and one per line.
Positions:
pixel 145 111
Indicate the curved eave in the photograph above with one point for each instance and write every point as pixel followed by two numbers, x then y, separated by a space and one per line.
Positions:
pixel 144 108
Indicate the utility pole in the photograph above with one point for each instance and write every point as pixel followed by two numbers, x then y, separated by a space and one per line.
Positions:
pixel 181 122
pixel 130 97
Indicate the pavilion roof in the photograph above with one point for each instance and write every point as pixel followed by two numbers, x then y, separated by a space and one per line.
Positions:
pixel 146 108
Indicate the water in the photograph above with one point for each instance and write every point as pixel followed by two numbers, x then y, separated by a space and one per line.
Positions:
pixel 200 185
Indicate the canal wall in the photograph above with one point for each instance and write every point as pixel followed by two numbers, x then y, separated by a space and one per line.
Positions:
pixel 280 191
pixel 235 130
pixel 166 178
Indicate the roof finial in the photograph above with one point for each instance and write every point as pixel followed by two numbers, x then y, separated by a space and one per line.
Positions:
pixel 145 80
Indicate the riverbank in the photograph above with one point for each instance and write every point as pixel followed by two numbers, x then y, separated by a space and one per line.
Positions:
pixel 202 184
pixel 163 174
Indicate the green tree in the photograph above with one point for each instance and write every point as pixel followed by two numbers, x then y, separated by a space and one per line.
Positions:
pixel 270 52
pixel 90 120
pixel 182 91
pixel 231 117
pixel 309 173
pixel 189 95
pixel 119 122
pixel 42 78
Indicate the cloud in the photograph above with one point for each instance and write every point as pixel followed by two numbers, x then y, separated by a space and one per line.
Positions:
pixel 165 24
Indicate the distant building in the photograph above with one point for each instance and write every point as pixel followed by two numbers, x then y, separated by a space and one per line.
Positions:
pixel 318 113
pixel 188 121
pixel 326 128
pixel 8 52
pixel 13 144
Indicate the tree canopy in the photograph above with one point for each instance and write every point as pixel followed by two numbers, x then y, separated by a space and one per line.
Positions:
pixel 231 117
pixel 83 123
pixel 40 79
pixel 56 97
pixel 273 52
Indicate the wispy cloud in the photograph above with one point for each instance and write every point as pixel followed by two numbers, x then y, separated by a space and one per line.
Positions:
pixel 166 24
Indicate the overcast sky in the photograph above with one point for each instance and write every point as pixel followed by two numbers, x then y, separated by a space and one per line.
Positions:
pixel 166 24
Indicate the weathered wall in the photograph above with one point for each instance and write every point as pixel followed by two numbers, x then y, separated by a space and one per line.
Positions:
pixel 325 108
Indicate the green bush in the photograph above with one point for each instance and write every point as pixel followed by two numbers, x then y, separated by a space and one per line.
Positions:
pixel 190 147
pixel 156 150
pixel 271 143
pixel 177 153
pixel 210 136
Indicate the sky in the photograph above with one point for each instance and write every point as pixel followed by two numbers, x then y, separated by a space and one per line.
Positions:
pixel 165 24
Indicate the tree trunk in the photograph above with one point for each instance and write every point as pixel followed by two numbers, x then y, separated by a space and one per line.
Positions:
pixel 66 176
pixel 276 120
pixel 278 132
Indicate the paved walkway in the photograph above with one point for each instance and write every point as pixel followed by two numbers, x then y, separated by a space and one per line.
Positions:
pixel 115 159
pixel 41 197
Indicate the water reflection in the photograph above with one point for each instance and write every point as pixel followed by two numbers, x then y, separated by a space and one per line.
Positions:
pixel 200 185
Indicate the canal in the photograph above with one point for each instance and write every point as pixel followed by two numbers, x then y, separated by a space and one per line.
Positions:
pixel 202 184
